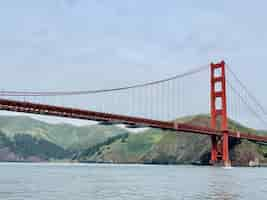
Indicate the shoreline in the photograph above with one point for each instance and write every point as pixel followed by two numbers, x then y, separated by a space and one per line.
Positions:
pixel 264 165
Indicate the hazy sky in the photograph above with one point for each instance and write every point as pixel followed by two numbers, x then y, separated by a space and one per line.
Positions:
pixel 88 44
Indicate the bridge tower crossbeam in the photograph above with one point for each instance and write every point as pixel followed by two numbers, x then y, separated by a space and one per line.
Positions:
pixel 219 144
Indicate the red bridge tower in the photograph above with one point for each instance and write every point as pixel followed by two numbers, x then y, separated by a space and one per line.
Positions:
pixel 219 144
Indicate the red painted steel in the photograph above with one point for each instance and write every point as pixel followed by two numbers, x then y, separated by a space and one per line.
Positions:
pixel 42 109
pixel 220 144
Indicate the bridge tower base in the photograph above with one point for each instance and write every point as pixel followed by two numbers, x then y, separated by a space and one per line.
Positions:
pixel 219 143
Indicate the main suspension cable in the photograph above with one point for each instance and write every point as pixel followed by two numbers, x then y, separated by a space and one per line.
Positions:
pixel 84 92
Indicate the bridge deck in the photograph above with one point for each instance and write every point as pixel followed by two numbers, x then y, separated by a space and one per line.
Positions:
pixel 42 109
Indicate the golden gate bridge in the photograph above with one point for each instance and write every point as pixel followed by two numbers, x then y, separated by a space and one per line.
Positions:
pixel 158 104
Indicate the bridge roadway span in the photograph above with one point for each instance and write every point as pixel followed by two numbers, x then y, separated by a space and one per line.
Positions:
pixel 42 109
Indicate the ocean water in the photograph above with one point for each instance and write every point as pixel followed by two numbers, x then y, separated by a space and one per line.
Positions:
pixel 20 181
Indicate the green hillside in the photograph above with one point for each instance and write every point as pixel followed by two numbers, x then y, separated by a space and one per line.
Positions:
pixel 126 149
pixel 4 141
pixel 26 148
pixel 64 135
pixel 166 147
pixel 27 139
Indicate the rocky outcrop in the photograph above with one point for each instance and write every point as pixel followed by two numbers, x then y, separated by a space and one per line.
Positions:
pixel 247 154
pixel 6 155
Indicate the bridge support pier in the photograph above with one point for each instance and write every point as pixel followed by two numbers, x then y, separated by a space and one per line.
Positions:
pixel 219 143
pixel 214 149
pixel 226 158
pixel 220 150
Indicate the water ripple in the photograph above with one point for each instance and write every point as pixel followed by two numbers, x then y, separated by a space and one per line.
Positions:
pixel 131 182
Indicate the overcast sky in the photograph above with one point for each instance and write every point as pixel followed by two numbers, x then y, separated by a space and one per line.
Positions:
pixel 88 44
